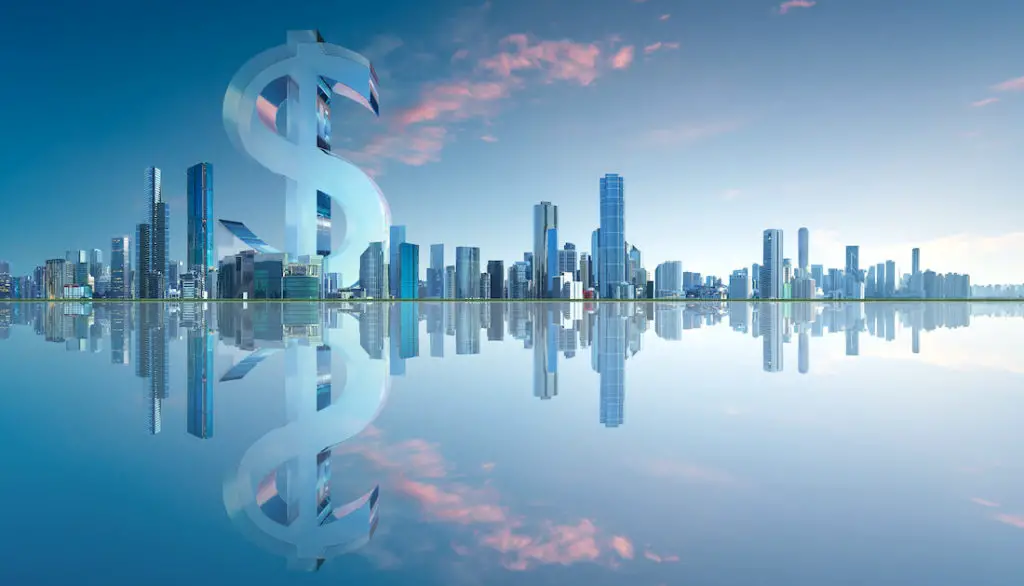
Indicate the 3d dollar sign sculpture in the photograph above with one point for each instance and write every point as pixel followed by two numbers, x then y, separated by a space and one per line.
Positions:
pixel 280 496
pixel 308 71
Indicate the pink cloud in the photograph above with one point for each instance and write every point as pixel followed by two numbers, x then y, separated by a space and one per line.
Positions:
pixel 665 17
pixel 786 6
pixel 983 502
pixel 658 559
pixel 418 134
pixel 623 58
pixel 1010 85
pixel 983 103
pixel 622 546
pixel 659 46
pixel 419 472
pixel 1012 520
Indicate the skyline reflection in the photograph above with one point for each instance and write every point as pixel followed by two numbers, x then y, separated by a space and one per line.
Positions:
pixel 306 482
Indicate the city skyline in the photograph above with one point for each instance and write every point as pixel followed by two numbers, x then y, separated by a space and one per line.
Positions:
pixel 701 188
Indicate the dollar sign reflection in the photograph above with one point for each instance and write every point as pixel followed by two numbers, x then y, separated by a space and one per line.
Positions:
pixel 280 495
pixel 308 72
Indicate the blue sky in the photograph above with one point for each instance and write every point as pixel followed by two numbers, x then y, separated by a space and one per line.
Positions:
pixel 880 123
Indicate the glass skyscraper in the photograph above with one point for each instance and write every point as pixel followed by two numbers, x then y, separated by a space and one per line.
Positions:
pixel 200 253
pixel 409 271
pixel 770 279
pixel 611 255
pixel 467 272
pixel 372 273
pixel 545 217
pixel 200 381
pixel 396 239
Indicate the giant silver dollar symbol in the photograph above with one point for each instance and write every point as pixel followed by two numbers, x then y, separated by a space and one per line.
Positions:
pixel 279 496
pixel 307 64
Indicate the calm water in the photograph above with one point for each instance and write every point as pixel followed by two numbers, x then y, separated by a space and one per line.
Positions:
pixel 450 444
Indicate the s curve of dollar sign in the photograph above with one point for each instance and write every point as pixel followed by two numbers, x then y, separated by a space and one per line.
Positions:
pixel 277 110
pixel 284 495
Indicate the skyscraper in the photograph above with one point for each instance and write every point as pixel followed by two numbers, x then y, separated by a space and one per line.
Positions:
pixel 554 287
pixel 853 276
pixel 120 268
pixel 435 272
pixel 545 217
pixel 611 253
pixel 467 272
pixel 394 244
pixel 496 275
pixel 161 236
pixel 770 280
pixel 803 237
pixel 890 278
pixel 372 272
pixel 915 273
pixel 143 240
pixel 200 378
pixel 595 247
pixel 200 255
pixel 408 271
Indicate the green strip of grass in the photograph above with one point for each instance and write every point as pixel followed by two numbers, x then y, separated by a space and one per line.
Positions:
pixel 434 300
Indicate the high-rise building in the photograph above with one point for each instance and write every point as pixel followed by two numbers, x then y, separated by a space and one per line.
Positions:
pixel 120 268
pixel 915 273
pixel 496 277
pixel 553 285
pixel 595 247
pixel 545 218
pixel 817 273
pixel 200 378
pixel 408 271
pixel 5 267
pixel 161 236
pixel 467 272
pixel 143 240
pixel 394 245
pixel 373 272
pixel 739 284
pixel 55 277
pixel 668 279
pixel 96 264
pixel 200 252
pixel 803 237
pixel 449 282
pixel 435 271
pixel 567 259
pixel 612 236
pixel 854 280
pixel 890 278
pixel 770 280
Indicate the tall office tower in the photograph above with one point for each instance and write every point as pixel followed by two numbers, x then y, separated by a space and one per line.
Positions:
pixel 584 270
pixel 545 217
pixel 394 244
pixel 408 271
pixel 143 242
pixel 803 241
pixel 467 272
pixel 200 378
pixel 484 288
pixel 770 280
pixel 496 276
pixel 96 264
pixel 634 264
pixel 668 279
pixel 55 277
pixel 5 267
pixel 853 263
pixel 787 271
pixel 567 262
pixel 80 270
pixel 595 246
pixel 161 239
pixel 449 282
pixel 553 285
pixel 372 272
pixel 880 280
pixel 817 273
pixel 200 253
pixel 612 236
pixel 739 284
pixel 755 279
pixel 435 271
pixel 915 272
pixel 120 267
pixel 890 278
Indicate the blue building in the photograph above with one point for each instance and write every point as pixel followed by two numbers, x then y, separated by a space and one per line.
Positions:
pixel 200 253
pixel 395 244
pixel 611 254
pixel 554 278
pixel 408 271
pixel 467 272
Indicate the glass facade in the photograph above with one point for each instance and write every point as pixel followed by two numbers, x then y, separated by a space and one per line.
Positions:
pixel 372 271
pixel 770 281
pixel 199 236
pixel 323 224
pixel 467 272
pixel 243 233
pixel 551 263
pixel 397 237
pixel 200 382
pixel 611 251
pixel 301 287
pixel 409 271
pixel 545 217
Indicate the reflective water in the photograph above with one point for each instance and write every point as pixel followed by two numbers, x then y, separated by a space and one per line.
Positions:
pixel 739 444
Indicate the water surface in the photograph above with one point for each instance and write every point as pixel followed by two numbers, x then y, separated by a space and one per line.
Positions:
pixel 448 444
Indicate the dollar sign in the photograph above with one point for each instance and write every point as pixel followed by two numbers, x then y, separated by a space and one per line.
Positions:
pixel 311 71
pixel 280 494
